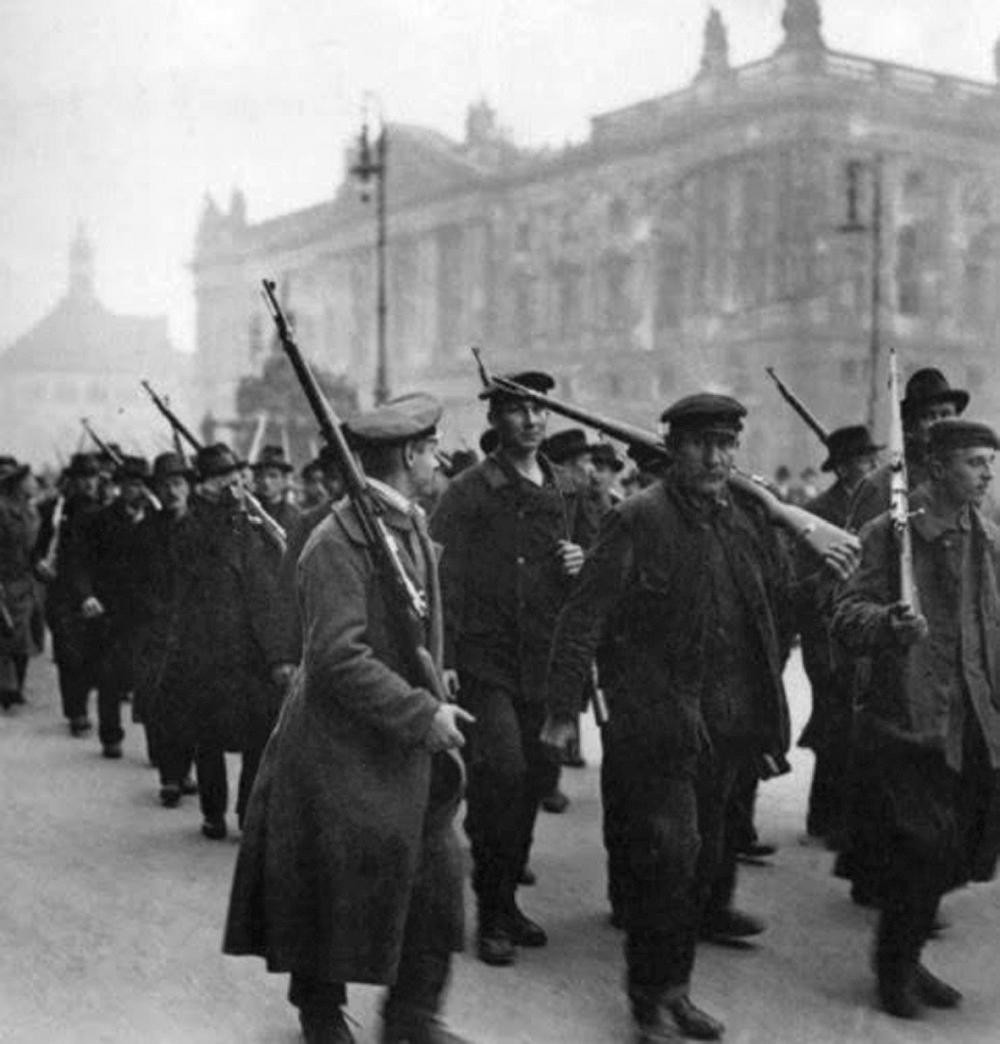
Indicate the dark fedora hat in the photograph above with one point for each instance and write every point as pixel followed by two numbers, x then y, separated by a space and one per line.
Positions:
pixel 11 471
pixel 566 445
pixel 169 465
pixel 133 468
pixel 929 386
pixel 848 443
pixel 533 380
pixel 603 455
pixel 217 459
pixel 82 465
pixel 272 457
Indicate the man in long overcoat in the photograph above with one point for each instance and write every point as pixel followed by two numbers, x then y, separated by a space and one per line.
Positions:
pixel 927 729
pixel 349 868
pixel 18 529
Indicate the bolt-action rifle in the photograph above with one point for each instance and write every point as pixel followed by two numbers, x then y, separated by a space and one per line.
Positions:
pixel 899 491
pixel 838 548
pixel 274 532
pixel 116 458
pixel 799 406
pixel 407 598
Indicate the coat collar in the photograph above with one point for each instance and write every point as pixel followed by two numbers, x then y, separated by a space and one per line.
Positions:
pixel 498 472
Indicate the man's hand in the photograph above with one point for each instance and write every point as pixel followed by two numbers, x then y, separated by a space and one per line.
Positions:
pixel 281 675
pixel 449 678
pixel 571 557
pixel 92 608
pixel 558 733
pixel 908 627
pixel 842 557
pixel 444 733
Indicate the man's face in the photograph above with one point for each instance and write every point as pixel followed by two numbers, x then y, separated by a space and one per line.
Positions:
pixel 174 493
pixel 271 484
pixel 965 474
pixel 582 467
pixel 313 487
pixel 214 488
pixel 703 460
pixel 133 491
pixel 422 462
pixel 851 472
pixel 604 479
pixel 520 424
pixel 930 415
pixel 88 486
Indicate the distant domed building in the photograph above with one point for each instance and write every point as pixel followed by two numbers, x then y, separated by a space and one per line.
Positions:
pixel 690 241
pixel 82 360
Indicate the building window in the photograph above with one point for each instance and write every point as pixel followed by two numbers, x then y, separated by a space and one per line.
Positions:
pixel 569 304
pixel 617 307
pixel 670 266
pixel 908 271
pixel 617 217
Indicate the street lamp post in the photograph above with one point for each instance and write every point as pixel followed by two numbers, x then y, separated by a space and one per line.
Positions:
pixel 854 224
pixel 371 166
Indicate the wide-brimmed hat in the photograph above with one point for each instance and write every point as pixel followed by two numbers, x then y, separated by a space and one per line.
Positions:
pixel 82 465
pixel 848 443
pixel 273 457
pixel 133 468
pixel 533 380
pixel 603 455
pixel 169 465
pixel 566 445
pixel 215 460
pixel 11 471
pixel 927 387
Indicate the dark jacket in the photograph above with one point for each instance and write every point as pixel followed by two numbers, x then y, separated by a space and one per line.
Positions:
pixel 502 581
pixel 908 700
pixel 219 629
pixel 646 578
pixel 338 817
pixel 18 529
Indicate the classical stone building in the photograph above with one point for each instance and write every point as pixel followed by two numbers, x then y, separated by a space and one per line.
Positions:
pixel 83 360
pixel 690 241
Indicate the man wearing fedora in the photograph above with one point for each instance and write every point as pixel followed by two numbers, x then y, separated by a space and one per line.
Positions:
pixel 928 719
pixel 271 473
pixel 512 528
pixel 851 457
pixel 75 638
pixel 103 575
pixel 928 398
pixel 349 870
pixel 18 529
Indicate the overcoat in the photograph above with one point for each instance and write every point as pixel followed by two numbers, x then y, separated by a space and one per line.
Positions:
pixel 349 805
pixel 18 528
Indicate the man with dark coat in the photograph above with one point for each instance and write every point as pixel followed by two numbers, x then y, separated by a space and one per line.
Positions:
pixel 104 576
pixel 271 477
pixel 512 529
pixel 75 638
pixel 349 869
pixel 226 661
pixel 18 530
pixel 852 456
pixel 696 591
pixel 927 730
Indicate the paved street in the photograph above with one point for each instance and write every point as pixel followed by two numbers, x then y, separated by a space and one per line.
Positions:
pixel 111 915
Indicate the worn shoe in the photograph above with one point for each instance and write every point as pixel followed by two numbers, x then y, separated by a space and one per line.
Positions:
pixel 80 726
pixel 495 946
pixel 556 802
pixel 934 991
pixel 326 1029
pixel 658 1031
pixel 897 993
pixel 524 931
pixel 170 795
pixel 423 1031
pixel 730 924
pixel 112 750
pixel 214 829
pixel 692 1021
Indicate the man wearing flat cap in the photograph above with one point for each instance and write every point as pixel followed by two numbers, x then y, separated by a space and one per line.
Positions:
pixel 349 869
pixel 104 574
pixel 851 456
pixel 695 590
pixel 513 529
pixel 75 638
pixel 927 729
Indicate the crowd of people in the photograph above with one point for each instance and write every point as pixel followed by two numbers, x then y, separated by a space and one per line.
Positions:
pixel 553 574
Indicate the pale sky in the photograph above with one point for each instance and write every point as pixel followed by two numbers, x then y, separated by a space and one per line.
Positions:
pixel 123 113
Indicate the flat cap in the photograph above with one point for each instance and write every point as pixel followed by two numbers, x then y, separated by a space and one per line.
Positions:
pixel 954 433
pixel 409 417
pixel 533 380
pixel 705 411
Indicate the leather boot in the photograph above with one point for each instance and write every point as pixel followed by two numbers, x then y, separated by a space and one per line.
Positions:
pixel 691 1020
pixel 325 1028
pixel 896 966
pixel 934 991
pixel 494 944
